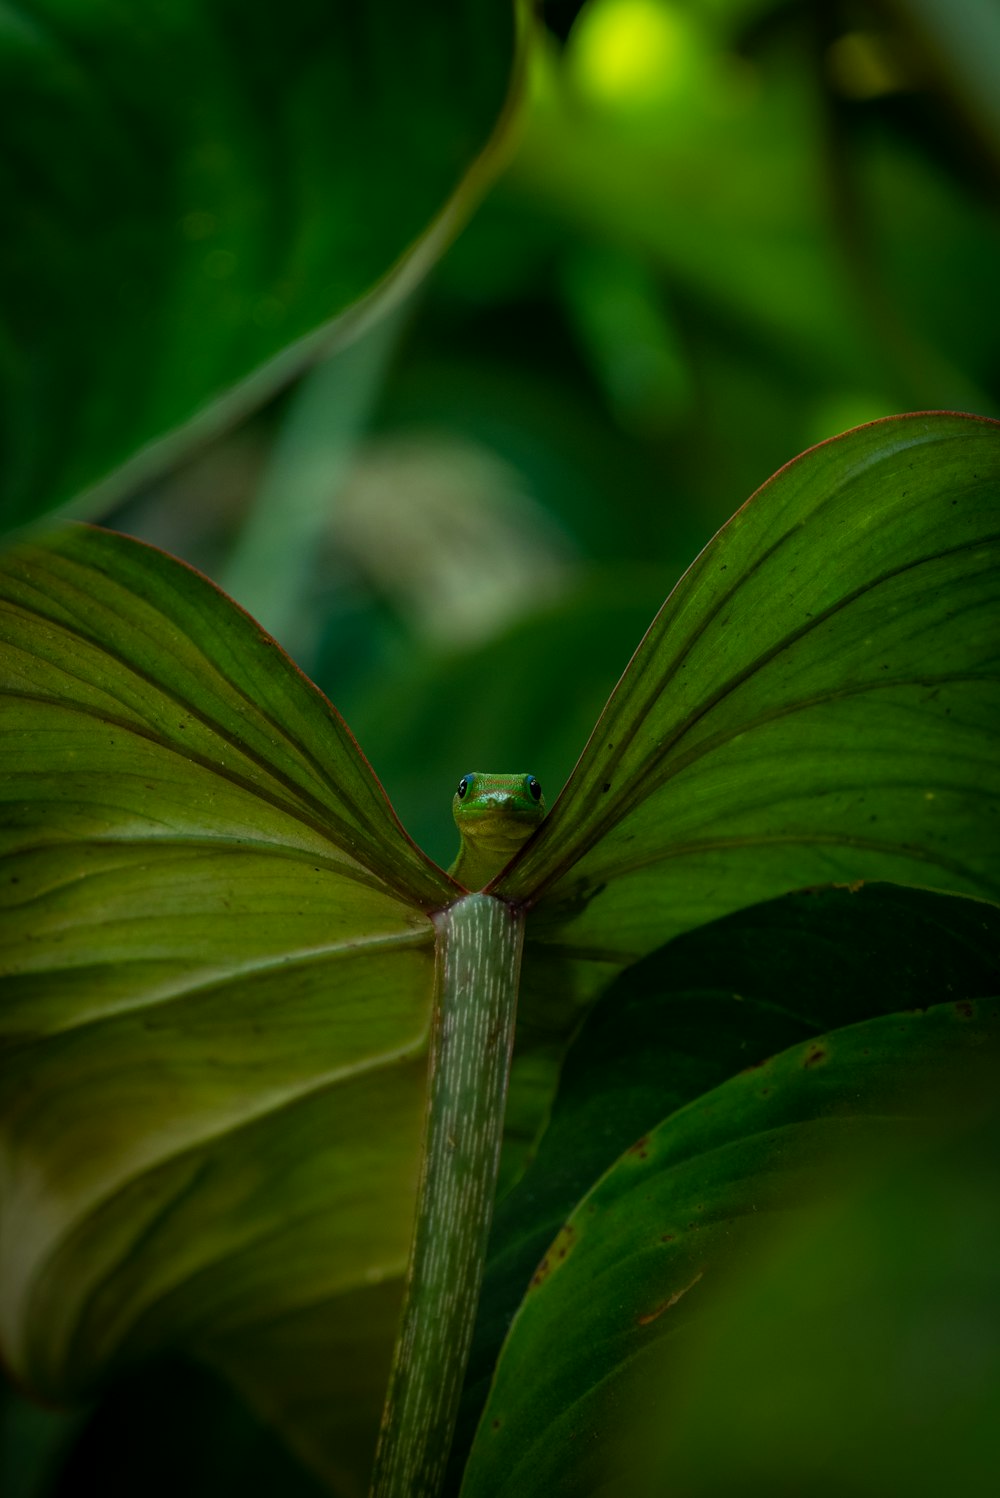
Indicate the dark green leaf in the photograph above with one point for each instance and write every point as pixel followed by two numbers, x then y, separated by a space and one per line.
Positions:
pixel 703 1008
pixel 199 196
pixel 651 1246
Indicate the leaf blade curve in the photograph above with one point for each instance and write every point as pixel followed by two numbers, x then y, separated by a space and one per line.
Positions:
pixel 648 1248
pixel 118 652
pixel 815 702
pixel 694 1013
pixel 218 968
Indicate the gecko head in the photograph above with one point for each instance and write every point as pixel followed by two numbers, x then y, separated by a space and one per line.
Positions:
pixel 498 812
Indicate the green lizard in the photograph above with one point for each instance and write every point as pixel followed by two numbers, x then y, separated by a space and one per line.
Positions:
pixel 495 816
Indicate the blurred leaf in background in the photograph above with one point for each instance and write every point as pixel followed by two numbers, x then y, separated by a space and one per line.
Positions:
pixel 198 197
pixel 863 1346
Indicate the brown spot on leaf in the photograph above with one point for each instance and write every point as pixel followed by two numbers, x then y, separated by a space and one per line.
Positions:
pixel 639 1148
pixel 665 1305
pixel 965 1009
pixel 564 1241
pixel 815 1056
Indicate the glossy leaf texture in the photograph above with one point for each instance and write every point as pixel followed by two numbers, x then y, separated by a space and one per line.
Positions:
pixel 653 1244
pixel 217 982
pixel 200 196
pixel 692 1015
pixel 817 701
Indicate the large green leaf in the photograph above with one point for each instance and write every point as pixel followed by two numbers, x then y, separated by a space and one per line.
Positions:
pixel 704 1007
pixel 817 701
pixel 218 965
pixel 193 192
pixel 654 1242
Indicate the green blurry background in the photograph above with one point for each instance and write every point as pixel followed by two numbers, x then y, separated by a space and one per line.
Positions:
pixel 728 230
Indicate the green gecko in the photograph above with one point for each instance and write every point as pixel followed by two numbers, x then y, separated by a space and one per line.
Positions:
pixel 495 815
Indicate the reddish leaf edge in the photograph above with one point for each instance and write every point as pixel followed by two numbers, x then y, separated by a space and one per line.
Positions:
pixel 273 646
pixel 525 902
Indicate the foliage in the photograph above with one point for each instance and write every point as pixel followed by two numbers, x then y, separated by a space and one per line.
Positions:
pixel 189 226
pixel 727 230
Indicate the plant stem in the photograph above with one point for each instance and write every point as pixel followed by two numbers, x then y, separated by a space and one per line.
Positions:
pixel 479 959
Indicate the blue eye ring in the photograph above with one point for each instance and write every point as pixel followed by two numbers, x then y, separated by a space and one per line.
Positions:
pixel 463 786
pixel 534 788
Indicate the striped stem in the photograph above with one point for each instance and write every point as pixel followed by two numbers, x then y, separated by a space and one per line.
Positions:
pixel 479 959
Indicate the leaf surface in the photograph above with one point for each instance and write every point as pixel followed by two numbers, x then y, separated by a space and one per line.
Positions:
pixel 651 1246
pixel 816 702
pixel 695 1013
pixel 217 981
pixel 201 196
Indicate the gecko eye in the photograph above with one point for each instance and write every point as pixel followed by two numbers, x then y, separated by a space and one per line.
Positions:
pixel 463 786
pixel 534 788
